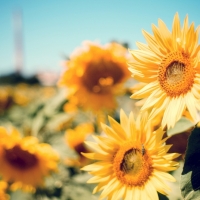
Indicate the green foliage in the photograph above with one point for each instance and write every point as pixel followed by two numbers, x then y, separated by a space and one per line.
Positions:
pixel 190 178
pixel 181 126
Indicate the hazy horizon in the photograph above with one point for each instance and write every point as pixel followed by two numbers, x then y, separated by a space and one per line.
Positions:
pixel 53 29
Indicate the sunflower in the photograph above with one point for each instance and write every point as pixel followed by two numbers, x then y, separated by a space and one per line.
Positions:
pixel 3 188
pixel 95 74
pixel 75 139
pixel 24 161
pixel 169 65
pixel 5 98
pixel 133 162
pixel 22 94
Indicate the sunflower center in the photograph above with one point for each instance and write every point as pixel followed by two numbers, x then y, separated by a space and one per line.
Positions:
pixel 176 74
pixel 131 165
pixel 101 76
pixel 20 158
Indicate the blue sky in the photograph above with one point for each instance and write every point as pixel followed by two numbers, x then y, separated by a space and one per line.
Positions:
pixel 52 29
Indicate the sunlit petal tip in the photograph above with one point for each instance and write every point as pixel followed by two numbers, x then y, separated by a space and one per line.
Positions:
pixel 122 112
pixel 88 155
pixel 131 117
pixel 112 121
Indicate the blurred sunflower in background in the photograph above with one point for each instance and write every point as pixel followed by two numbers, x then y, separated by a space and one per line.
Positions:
pixel 75 139
pixel 169 67
pixel 94 75
pixel 3 188
pixel 132 161
pixel 20 96
pixel 24 161
pixel 5 98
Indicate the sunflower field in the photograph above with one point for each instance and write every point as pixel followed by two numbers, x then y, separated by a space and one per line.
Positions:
pixel 118 124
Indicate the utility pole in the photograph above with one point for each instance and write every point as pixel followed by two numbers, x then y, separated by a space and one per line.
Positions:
pixel 18 41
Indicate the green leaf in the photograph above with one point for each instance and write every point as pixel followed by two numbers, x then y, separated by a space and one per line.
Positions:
pixel 187 190
pixel 37 123
pixel 181 126
pixel 19 195
pixel 190 178
pixel 74 192
pixel 53 105
pixel 58 120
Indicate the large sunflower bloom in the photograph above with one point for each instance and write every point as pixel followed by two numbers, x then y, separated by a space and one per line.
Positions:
pixel 133 162
pixel 25 162
pixel 94 75
pixel 169 65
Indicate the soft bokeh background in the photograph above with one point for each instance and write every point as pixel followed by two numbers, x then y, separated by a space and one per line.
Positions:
pixel 50 31
pixel 53 29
